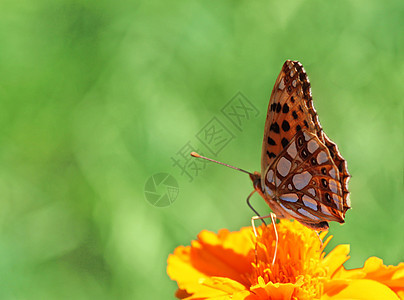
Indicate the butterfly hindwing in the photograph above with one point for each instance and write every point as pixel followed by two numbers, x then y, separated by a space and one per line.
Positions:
pixel 304 179
pixel 341 164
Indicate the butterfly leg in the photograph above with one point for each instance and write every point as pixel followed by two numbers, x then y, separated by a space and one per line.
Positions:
pixel 321 241
pixel 273 219
pixel 252 208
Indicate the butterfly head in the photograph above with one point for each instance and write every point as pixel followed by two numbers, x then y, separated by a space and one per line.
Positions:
pixel 256 179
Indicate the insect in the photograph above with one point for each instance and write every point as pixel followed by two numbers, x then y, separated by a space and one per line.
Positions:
pixel 303 175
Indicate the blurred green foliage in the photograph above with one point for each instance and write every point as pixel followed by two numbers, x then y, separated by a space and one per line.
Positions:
pixel 97 96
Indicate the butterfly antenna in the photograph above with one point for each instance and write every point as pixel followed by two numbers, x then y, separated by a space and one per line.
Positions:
pixel 194 154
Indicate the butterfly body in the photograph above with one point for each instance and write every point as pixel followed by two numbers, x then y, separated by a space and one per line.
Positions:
pixel 303 175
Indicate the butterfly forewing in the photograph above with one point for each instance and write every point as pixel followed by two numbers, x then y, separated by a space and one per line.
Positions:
pixel 290 110
pixel 303 175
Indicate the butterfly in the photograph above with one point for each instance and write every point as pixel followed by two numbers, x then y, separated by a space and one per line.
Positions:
pixel 303 175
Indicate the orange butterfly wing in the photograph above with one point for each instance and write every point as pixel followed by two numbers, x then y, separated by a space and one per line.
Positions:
pixel 290 116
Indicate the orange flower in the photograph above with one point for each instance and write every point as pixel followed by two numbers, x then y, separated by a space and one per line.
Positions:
pixel 237 265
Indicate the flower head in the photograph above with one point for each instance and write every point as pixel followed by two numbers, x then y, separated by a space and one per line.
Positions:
pixel 238 265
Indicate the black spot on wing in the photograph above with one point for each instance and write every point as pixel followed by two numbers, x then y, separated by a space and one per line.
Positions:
pixel 271 154
pixel 271 141
pixel 275 127
pixel 285 108
pixel 285 125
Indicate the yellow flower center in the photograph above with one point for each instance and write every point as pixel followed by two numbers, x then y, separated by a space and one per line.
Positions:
pixel 298 260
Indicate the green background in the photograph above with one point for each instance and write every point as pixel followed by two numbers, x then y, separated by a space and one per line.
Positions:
pixel 97 96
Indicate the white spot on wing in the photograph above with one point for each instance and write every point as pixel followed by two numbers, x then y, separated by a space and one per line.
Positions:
pixel 290 212
pixel 292 150
pixel 336 199
pixel 322 157
pixel 270 176
pixel 306 136
pixel 312 192
pixel 309 202
pixel 301 180
pixel 294 83
pixel 292 73
pixel 333 174
pixel 333 186
pixel 283 166
pixel 325 210
pixel 307 214
pixel 289 186
pixel 269 192
pixel 278 181
pixel 289 197
pixel 281 85
pixel 348 201
pixel 312 146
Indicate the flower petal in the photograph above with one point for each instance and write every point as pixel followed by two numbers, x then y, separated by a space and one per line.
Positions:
pixel 225 255
pixel 238 266
pixel 362 289
pixel 336 258
pixel 219 288
pixel 391 276
pixel 274 290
